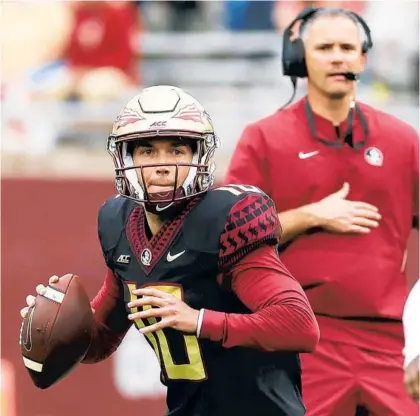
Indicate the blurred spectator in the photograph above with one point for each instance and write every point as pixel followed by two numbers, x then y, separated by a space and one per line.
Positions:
pixel 249 15
pixel 183 15
pixel 101 56
pixel 286 11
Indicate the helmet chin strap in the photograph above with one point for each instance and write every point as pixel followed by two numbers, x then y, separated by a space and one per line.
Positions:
pixel 166 210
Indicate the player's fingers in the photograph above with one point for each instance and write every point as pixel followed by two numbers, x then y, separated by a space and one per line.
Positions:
pixel 24 312
pixel 147 300
pixel 151 292
pixel 155 327
pixel 150 313
pixel 53 279
pixel 30 300
pixel 40 289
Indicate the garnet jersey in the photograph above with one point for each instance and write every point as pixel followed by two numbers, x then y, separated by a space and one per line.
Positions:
pixel 190 258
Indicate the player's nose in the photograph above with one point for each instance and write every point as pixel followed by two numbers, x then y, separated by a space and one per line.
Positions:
pixel 163 170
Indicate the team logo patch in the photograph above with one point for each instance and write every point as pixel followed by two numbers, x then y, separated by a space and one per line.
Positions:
pixel 374 156
pixel 146 257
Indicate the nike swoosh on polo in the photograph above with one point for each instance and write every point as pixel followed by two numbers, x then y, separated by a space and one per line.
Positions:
pixel 303 155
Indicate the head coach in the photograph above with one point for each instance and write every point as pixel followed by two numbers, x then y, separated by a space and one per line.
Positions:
pixel 345 180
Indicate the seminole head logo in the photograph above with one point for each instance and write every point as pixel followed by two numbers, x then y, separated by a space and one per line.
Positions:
pixel 128 116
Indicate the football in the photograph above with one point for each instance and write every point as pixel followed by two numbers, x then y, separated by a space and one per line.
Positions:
pixel 56 333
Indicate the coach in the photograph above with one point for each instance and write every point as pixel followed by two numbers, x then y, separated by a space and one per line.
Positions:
pixel 345 179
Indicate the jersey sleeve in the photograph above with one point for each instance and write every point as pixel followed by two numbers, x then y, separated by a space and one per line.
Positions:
pixel 251 223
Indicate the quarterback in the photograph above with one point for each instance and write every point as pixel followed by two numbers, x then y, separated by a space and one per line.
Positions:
pixel 196 269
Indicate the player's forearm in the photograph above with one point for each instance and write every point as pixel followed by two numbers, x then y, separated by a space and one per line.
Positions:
pixel 286 327
pixel 297 221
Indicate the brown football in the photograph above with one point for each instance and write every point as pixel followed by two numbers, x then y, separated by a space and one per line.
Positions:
pixel 56 333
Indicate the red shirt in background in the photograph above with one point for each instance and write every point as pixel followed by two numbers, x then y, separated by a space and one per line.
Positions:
pixel 103 37
pixel 350 280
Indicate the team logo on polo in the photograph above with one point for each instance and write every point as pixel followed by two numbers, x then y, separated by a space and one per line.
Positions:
pixel 374 156
pixel 146 257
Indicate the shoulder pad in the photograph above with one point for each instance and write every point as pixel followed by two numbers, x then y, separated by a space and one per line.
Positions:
pixel 112 219
pixel 252 222
pixel 231 221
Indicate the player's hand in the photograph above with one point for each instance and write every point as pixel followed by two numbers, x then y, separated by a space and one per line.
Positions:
pixel 337 214
pixel 411 379
pixel 40 290
pixel 174 313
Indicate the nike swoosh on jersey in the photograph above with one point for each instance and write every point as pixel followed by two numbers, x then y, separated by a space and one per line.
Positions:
pixel 158 208
pixel 170 257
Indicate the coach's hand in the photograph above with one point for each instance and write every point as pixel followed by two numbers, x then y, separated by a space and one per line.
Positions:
pixel 337 214
pixel 174 313
pixel 411 379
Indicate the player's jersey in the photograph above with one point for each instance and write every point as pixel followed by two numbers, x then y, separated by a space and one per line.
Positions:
pixel 184 258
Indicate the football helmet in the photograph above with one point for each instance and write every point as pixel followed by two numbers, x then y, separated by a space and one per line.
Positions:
pixel 161 112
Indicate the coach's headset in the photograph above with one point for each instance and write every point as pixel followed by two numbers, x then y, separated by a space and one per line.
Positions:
pixel 294 63
pixel 293 54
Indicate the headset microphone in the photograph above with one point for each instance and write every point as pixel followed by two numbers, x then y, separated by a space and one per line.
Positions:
pixel 351 76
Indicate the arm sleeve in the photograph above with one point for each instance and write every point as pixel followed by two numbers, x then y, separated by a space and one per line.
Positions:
pixel 110 320
pixel 249 161
pixel 281 317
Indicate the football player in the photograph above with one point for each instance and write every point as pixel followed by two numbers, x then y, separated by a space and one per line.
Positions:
pixel 196 269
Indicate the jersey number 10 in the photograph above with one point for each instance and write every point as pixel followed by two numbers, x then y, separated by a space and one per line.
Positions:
pixel 194 369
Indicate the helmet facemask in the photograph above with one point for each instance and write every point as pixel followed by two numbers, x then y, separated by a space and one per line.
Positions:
pixel 130 185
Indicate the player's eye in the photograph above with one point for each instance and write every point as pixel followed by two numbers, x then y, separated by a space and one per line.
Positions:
pixel 177 151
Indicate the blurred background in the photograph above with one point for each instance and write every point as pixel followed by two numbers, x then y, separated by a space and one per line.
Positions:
pixel 67 69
